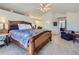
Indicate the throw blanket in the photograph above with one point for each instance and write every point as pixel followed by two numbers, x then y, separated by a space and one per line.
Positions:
pixel 23 36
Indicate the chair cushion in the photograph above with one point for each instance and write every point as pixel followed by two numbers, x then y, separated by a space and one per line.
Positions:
pixel 64 35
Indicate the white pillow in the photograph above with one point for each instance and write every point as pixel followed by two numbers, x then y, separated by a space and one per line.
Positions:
pixel 24 26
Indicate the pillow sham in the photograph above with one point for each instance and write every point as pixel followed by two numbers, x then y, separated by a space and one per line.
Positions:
pixel 14 27
pixel 24 26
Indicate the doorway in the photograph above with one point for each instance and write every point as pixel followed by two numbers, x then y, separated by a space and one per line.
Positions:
pixel 62 22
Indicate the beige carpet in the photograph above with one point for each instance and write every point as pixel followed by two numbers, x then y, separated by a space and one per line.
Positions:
pixel 57 46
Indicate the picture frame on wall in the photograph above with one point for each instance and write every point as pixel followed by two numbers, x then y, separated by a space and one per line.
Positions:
pixel 54 23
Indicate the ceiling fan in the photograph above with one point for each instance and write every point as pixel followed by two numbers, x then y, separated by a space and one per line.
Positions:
pixel 44 7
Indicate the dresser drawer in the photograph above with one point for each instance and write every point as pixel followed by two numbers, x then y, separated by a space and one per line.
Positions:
pixel 3 31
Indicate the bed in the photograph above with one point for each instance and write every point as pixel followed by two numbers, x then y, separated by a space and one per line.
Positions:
pixel 29 39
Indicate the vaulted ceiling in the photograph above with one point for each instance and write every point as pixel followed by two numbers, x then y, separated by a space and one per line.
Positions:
pixel 33 8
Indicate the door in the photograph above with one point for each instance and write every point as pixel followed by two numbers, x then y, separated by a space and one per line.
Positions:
pixel 62 23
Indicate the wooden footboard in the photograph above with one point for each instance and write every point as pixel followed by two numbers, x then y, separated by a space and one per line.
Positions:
pixel 36 42
pixel 39 41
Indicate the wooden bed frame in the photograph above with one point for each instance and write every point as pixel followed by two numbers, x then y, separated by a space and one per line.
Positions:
pixel 36 42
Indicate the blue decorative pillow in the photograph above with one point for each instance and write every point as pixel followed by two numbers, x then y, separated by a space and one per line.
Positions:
pixel 24 26
pixel 14 27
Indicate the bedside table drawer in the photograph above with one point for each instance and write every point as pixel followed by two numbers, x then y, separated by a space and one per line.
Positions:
pixel 3 31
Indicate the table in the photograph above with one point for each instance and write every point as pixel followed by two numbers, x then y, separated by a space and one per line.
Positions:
pixel 3 39
pixel 77 36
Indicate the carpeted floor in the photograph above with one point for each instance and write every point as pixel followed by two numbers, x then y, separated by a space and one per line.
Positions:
pixel 57 46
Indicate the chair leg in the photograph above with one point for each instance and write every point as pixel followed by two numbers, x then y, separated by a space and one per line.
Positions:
pixel 74 39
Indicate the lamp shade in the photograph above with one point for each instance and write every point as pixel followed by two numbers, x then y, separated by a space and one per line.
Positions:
pixel 3 20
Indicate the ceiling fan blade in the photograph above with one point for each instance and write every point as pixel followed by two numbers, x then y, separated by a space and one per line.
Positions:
pixel 48 5
pixel 49 8
pixel 37 8
pixel 42 5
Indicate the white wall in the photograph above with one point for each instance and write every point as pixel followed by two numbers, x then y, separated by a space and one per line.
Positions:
pixel 55 19
pixel 13 16
pixel 73 21
pixel 48 20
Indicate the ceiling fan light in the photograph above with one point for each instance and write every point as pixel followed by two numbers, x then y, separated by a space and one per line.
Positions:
pixel 41 5
pixel 44 7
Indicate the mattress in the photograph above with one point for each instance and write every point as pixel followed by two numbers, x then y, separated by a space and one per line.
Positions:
pixel 23 36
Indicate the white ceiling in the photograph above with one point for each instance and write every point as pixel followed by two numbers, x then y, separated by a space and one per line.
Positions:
pixel 32 8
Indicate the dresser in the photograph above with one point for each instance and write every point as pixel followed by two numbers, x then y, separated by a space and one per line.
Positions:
pixel 3 37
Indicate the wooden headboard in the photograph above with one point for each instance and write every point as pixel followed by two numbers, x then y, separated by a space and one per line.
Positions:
pixel 18 22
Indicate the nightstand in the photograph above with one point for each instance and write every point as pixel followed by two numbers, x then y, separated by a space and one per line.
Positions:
pixel 3 37
pixel 3 31
pixel 39 27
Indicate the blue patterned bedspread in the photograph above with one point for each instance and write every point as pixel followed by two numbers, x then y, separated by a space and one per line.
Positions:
pixel 23 36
